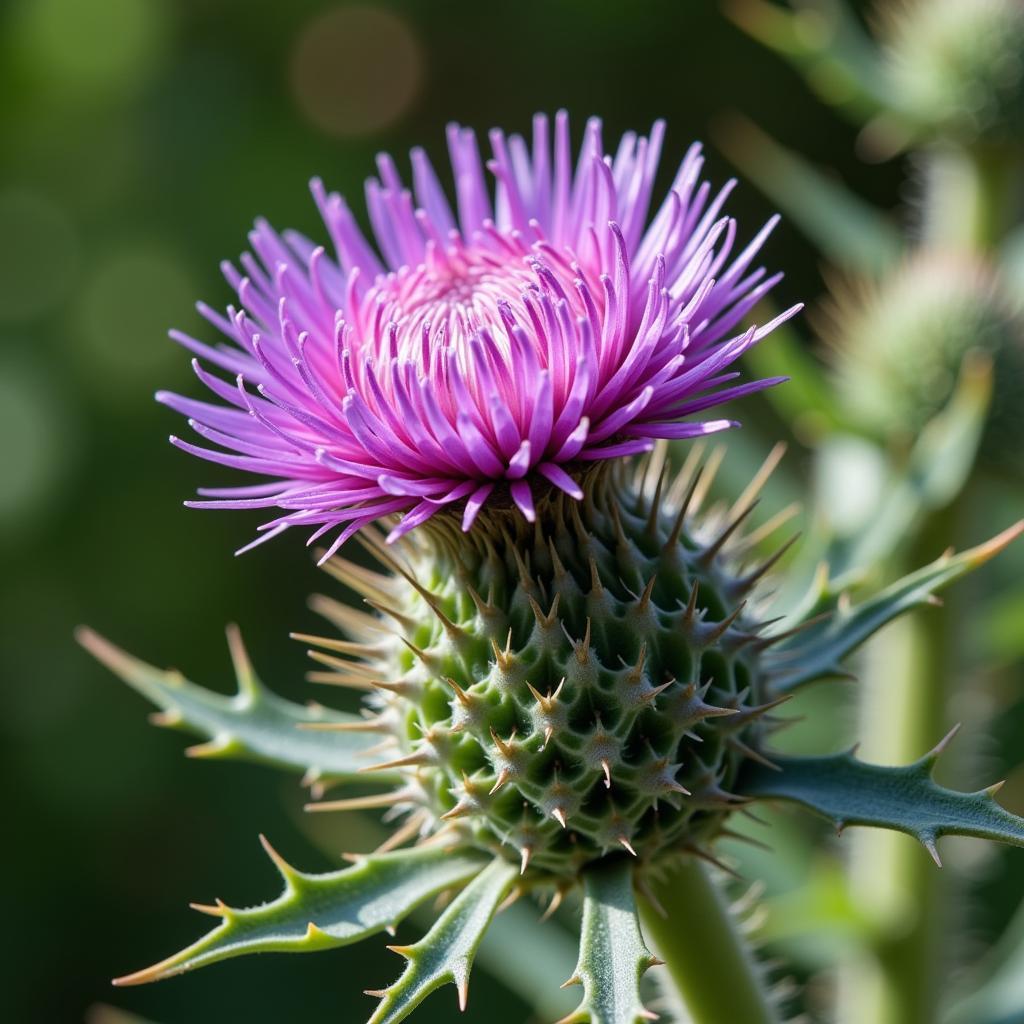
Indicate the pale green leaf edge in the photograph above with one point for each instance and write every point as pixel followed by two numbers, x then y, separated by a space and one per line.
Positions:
pixel 445 954
pixel 817 651
pixel 252 725
pixel 847 791
pixel 322 911
pixel 613 956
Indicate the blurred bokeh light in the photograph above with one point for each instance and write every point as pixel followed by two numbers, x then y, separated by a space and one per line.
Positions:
pixel 355 69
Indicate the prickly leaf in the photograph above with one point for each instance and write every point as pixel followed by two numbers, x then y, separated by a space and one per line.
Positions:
pixel 445 954
pixel 613 956
pixel 320 911
pixel 253 725
pixel 817 652
pixel 906 799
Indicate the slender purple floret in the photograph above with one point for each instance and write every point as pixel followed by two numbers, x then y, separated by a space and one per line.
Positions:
pixel 490 350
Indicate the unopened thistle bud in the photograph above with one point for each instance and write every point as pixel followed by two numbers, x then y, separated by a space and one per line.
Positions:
pixel 898 346
pixel 956 65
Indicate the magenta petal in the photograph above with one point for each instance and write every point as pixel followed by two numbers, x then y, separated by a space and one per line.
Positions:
pixel 547 317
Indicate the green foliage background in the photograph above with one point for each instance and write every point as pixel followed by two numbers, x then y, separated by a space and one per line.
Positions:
pixel 138 139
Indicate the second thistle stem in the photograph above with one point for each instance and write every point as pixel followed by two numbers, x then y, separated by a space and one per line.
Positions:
pixel 704 951
pixel 892 879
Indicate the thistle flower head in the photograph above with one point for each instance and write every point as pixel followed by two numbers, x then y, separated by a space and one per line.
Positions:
pixel 482 353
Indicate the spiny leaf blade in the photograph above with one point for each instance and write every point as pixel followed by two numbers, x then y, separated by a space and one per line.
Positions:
pixel 445 954
pixel 253 725
pixel 817 652
pixel 907 799
pixel 613 956
pixel 322 911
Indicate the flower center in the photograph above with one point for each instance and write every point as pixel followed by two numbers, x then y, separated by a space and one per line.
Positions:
pixel 465 291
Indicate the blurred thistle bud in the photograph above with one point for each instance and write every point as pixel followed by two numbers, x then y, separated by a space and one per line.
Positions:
pixel 956 66
pixel 899 343
pixel 946 68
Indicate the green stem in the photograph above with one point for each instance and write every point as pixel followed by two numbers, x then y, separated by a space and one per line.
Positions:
pixel 907 684
pixel 971 196
pixel 703 950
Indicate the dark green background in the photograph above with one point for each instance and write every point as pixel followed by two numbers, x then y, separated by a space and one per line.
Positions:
pixel 138 139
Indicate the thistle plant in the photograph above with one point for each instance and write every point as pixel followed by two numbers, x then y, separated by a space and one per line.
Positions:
pixel 926 351
pixel 570 666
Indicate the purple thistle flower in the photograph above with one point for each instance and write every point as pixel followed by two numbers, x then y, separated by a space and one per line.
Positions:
pixel 494 349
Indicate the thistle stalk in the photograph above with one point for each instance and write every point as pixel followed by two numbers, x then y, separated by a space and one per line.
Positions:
pixel 970 198
pixel 696 935
pixel 892 882
pixel 968 207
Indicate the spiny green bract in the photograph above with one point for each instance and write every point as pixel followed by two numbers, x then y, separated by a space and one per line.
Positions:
pixel 586 684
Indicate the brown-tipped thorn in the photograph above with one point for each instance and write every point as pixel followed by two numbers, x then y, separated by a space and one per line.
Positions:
pixel 626 845
pixel 556 902
pixel 607 769
pixel 503 776
pixel 752 577
pixel 401 687
pixel 405 621
pixel 652 694
pixel 711 466
pixel 217 909
pixel 331 644
pixel 417 757
pixel 928 842
pixel 462 988
pixel 169 718
pixel 655 505
pixel 983 552
pixel 643 602
pixel 759 479
pixel 582 647
pixel 684 508
pixel 211 748
pixel 690 612
pixel 505 746
pixel 280 863
pixel 705 855
pixel 559 815
pixel 719 629
pixel 464 698
pixel 366 725
pixel 547 704
pixel 361 803
pixel 754 755
pixel 409 830
pixel 334 679
pixel 940 748
pixel 545 620
pixel 709 553
pixel 524 862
